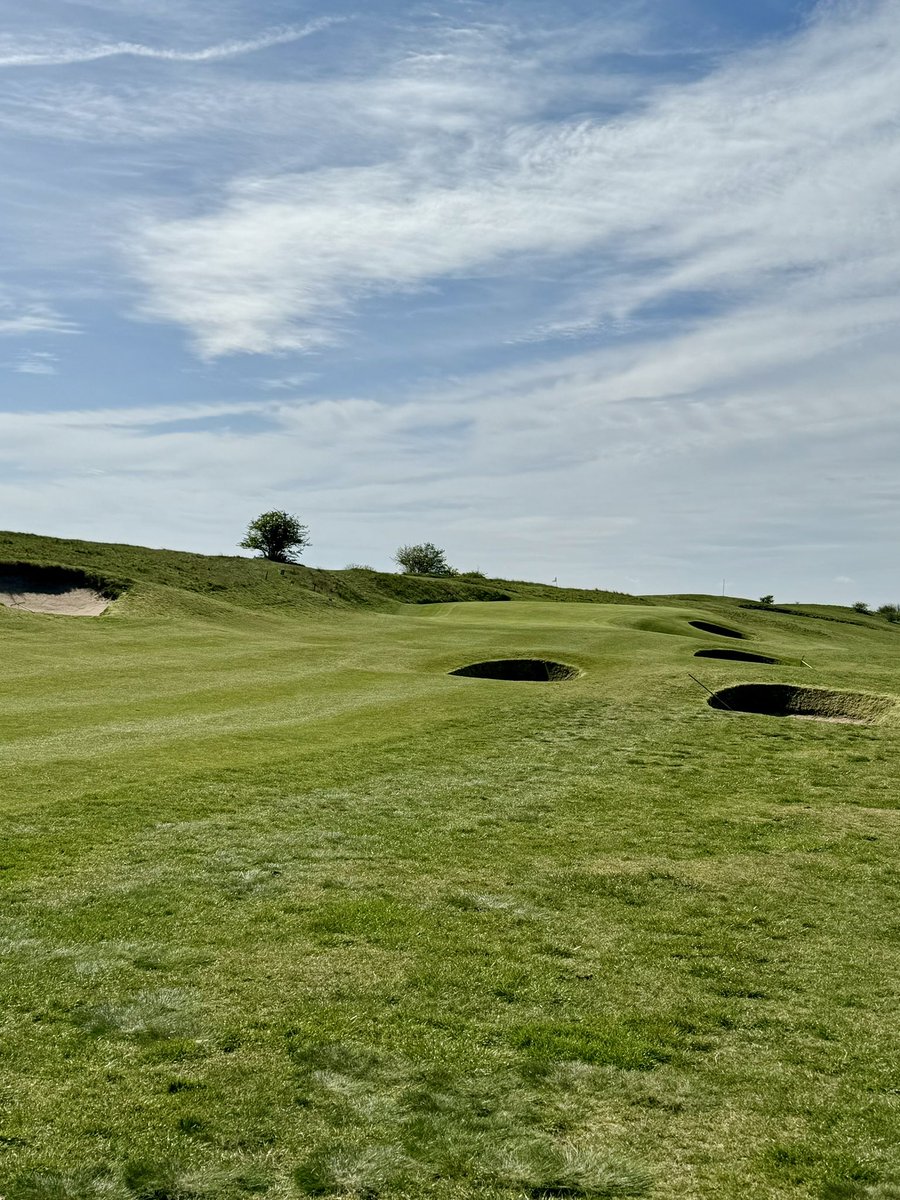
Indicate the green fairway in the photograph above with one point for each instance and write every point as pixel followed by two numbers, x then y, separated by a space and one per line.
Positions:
pixel 290 910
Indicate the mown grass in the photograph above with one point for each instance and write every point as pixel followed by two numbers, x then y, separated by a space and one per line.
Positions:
pixel 290 911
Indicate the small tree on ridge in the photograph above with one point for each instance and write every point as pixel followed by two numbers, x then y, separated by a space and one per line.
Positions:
pixel 277 535
pixel 424 559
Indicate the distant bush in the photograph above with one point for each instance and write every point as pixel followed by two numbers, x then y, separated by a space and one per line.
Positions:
pixel 358 567
pixel 891 612
pixel 860 606
pixel 424 559
pixel 767 601
pixel 476 574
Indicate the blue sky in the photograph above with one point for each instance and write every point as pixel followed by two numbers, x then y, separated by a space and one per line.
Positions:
pixel 606 292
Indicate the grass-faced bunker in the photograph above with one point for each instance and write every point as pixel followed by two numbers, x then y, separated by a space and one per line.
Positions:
pixel 789 700
pixel 717 630
pixel 736 655
pixel 520 670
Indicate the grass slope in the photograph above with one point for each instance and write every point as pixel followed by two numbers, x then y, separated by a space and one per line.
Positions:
pixel 290 911
pixel 160 581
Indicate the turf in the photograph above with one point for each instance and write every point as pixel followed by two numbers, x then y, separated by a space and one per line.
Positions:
pixel 290 910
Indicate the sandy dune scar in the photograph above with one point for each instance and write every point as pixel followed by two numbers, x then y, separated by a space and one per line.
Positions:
pixel 18 591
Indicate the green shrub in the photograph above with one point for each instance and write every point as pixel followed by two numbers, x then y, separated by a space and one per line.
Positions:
pixel 277 535
pixel 424 559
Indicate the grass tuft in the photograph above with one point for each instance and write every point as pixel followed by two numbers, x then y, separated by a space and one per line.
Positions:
pixel 631 1043
pixel 544 1169
pixel 362 1170
pixel 152 1017
pixel 165 1179
pixel 77 1185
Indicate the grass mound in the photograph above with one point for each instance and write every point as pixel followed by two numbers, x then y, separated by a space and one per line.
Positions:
pixel 718 630
pixel 787 700
pixel 520 670
pixel 736 656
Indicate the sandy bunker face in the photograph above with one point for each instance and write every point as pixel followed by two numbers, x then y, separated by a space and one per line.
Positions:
pixel 718 630
pixel 787 700
pixel 520 670
pixel 735 655
pixel 41 592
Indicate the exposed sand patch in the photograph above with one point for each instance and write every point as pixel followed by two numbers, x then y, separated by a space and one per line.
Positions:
pixel 35 594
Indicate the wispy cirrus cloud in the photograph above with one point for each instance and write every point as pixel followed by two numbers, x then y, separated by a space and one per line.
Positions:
pixel 32 54
pixel 36 362
pixel 19 318
pixel 772 165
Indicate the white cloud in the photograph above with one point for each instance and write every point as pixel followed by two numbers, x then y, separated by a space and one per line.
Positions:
pixel 775 165
pixel 41 55
pixel 18 318
pixel 558 468
pixel 37 362
pixel 392 96
pixel 289 383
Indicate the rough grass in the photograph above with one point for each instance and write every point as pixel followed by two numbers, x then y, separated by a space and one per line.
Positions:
pixel 289 911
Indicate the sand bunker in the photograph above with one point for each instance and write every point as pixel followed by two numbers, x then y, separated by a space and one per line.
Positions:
pixel 520 670
pixel 48 591
pixel 718 630
pixel 736 656
pixel 787 700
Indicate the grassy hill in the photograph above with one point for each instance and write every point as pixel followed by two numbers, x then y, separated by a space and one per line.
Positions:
pixel 152 581
pixel 289 910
